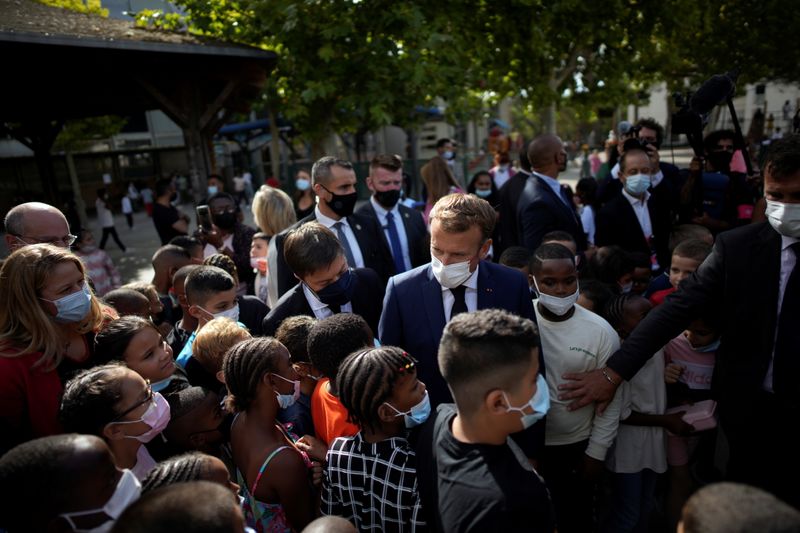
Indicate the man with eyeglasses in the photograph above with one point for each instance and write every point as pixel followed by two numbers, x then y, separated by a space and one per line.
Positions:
pixel 36 223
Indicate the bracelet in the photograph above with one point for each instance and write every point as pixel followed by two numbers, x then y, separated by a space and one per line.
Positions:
pixel 608 377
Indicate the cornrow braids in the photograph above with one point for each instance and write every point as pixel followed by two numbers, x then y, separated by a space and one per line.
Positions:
pixel 614 311
pixel 366 380
pixel 224 262
pixel 179 469
pixel 244 366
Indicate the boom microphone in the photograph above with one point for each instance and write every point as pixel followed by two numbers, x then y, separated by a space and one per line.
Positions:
pixel 713 92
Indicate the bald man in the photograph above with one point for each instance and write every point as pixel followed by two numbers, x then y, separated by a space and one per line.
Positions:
pixel 545 206
pixel 36 223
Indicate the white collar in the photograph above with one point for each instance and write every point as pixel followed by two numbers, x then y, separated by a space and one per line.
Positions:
pixel 472 280
pixel 787 242
pixel 633 200
pixel 312 299
pixel 382 211
pixel 615 171
pixel 327 221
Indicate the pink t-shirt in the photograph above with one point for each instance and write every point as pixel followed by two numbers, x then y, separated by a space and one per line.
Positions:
pixel 698 366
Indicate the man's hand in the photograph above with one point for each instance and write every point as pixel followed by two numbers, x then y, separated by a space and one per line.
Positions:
pixel 672 372
pixel 589 387
pixel 212 237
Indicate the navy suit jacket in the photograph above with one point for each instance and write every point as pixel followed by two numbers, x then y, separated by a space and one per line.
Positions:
pixel 541 211
pixel 419 250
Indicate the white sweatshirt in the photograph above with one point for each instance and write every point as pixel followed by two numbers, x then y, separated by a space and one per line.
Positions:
pixel 582 343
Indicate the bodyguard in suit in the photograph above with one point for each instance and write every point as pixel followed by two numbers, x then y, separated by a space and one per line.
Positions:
pixel 327 285
pixel 333 181
pixel 545 206
pixel 403 229
pixel 632 219
pixel 751 283
pixel 510 193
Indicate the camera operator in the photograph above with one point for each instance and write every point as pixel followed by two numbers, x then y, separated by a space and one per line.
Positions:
pixel 716 196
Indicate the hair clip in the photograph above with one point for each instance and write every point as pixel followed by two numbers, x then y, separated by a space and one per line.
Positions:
pixel 408 366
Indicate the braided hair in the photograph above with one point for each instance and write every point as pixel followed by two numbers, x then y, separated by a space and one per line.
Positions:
pixel 366 380
pixel 245 365
pixel 614 312
pixel 89 399
pixel 224 262
pixel 191 466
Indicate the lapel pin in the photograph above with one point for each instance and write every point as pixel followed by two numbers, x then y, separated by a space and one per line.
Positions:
pixel 488 289
pixel 358 227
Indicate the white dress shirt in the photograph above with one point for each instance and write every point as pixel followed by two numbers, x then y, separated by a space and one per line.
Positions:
pixel 642 212
pixel 381 212
pixel 348 232
pixel 501 175
pixel 788 262
pixel 470 295
pixel 320 309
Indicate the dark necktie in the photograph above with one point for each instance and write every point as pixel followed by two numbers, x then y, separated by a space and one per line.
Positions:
pixel 459 303
pixel 335 309
pixel 786 364
pixel 394 240
pixel 348 254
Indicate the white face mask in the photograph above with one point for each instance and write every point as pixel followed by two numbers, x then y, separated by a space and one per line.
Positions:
pixel 232 313
pixel 785 218
pixel 450 276
pixel 557 305
pixel 127 491
pixel 287 400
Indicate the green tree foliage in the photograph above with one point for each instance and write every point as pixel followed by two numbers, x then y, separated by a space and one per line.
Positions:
pixel 92 7
pixel 79 134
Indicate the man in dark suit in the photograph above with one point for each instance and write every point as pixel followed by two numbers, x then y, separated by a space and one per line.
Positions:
pixel 328 285
pixel 510 193
pixel 334 182
pixel 404 232
pixel 545 206
pixel 751 283
pixel 420 302
pixel 632 218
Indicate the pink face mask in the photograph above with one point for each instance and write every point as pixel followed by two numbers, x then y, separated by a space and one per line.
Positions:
pixel 157 417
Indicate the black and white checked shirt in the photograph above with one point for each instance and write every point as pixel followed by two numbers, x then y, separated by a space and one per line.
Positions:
pixel 374 486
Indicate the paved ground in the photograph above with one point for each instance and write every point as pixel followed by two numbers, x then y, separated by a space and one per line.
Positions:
pixel 142 240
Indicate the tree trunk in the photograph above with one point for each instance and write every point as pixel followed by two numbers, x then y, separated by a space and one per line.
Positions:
pixel 80 205
pixel 551 118
pixel 274 145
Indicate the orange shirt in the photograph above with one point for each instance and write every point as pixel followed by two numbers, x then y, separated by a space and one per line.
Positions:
pixel 329 415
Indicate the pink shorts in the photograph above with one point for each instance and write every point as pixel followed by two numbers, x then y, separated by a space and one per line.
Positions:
pixel 679 449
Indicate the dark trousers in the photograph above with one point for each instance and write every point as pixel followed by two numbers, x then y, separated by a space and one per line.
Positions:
pixel 113 232
pixel 129 218
pixel 572 494
pixel 762 451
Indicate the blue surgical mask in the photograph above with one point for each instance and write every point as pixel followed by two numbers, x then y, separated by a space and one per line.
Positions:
pixel 212 190
pixel 302 185
pixel 637 184
pixel 540 403
pixel 158 386
pixel 448 154
pixel 416 415
pixel 73 307
pixel 707 348
pixel 483 193
pixel 287 400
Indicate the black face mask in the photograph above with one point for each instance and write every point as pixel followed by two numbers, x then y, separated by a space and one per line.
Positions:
pixel 225 221
pixel 721 161
pixel 387 199
pixel 340 291
pixel 342 204
pixel 173 197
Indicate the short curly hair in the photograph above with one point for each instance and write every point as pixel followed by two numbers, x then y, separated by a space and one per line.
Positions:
pixel 332 339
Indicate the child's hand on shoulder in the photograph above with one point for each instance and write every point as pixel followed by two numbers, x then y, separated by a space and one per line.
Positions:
pixel 672 372
pixel 313 447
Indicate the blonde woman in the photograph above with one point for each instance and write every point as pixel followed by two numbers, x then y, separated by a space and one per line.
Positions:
pixel 273 210
pixel 48 318
pixel 439 182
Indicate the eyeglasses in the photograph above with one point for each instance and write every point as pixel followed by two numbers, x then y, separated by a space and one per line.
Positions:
pixel 65 241
pixel 149 398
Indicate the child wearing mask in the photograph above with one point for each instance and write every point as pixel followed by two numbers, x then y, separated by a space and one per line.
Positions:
pixel 99 266
pixel 258 261
pixel 573 340
pixel 117 404
pixel 471 475
pixel 371 478
pixel 293 333
pixel 686 258
pixel 639 452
